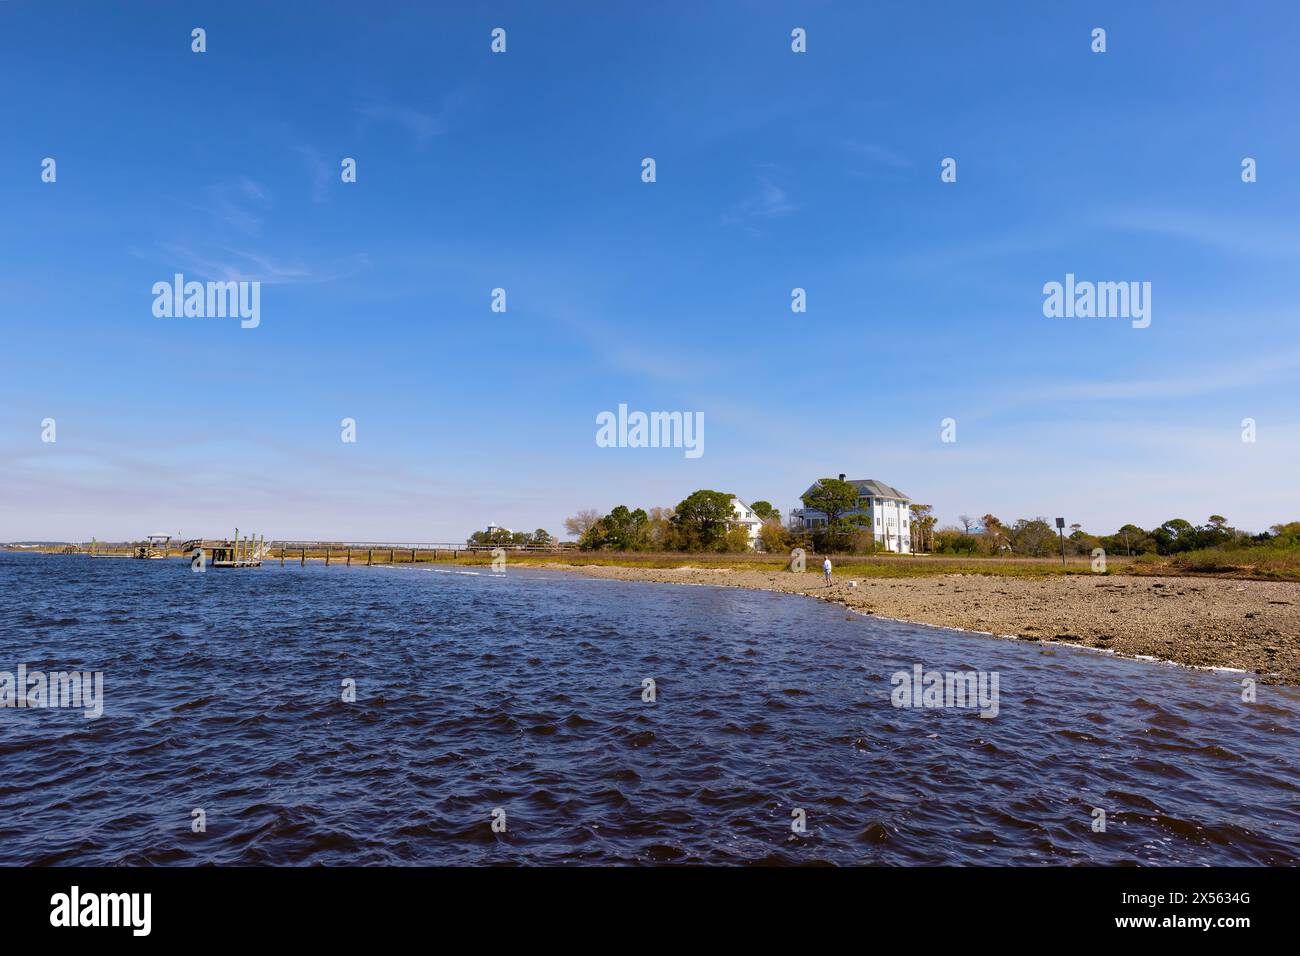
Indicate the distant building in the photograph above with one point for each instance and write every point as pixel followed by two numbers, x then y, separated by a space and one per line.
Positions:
pixel 887 510
pixel 746 518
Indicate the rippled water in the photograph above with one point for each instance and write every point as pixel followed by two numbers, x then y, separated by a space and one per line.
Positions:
pixel 524 692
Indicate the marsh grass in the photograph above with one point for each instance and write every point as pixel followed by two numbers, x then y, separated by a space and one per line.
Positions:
pixel 845 566
pixel 1260 563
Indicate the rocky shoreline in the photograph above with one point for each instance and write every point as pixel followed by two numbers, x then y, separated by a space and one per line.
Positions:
pixel 1199 621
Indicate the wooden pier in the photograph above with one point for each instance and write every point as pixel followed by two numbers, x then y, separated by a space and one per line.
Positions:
pixel 251 551
pixel 369 553
pixel 225 553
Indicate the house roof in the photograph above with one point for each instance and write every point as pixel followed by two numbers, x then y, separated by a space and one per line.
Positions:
pixel 868 487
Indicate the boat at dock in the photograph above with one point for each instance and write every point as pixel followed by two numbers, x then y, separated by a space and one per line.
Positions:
pixel 227 553
pixel 156 546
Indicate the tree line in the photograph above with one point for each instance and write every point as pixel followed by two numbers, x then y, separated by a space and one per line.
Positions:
pixel 705 521
pixel 503 538
pixel 1035 537
pixel 702 521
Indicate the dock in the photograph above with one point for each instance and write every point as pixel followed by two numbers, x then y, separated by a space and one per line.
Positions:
pixel 347 553
pixel 228 553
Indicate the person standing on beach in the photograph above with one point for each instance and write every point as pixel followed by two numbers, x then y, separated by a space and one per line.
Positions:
pixel 826 567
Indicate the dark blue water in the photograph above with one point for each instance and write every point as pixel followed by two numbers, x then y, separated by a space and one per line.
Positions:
pixel 523 693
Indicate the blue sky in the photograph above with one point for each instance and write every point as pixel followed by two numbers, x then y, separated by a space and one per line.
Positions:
pixel 522 170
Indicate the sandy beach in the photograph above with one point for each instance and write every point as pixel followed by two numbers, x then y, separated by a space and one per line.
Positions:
pixel 1200 621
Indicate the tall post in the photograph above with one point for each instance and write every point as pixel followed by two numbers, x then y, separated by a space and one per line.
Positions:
pixel 370 557
pixel 1060 530
pixel 303 562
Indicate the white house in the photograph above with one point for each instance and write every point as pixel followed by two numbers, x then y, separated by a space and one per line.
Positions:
pixel 748 519
pixel 887 511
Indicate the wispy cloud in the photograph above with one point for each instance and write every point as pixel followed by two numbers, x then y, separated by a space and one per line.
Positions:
pixel 318 171
pixel 768 200
pixel 1264 370
pixel 872 157
pixel 1251 239
pixel 237 203
pixel 239 265
pixel 422 126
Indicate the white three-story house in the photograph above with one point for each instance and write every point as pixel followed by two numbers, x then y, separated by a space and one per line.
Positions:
pixel 887 510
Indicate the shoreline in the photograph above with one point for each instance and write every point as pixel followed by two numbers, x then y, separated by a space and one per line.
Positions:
pixel 1208 623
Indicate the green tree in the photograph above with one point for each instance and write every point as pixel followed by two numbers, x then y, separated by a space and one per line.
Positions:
pixel 955 541
pixel 735 539
pixel 660 533
pixel 1175 535
pixel 923 523
pixel 1080 542
pixel 621 530
pixel 624 529
pixel 994 534
pixel 1216 532
pixel 1129 539
pixel 1032 536
pixel 832 497
pixel 702 519
pixel 497 536
pixel 1285 535
pixel 765 511
pixel 773 536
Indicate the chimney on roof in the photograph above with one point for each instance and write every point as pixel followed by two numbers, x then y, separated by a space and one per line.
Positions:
pixel 841 476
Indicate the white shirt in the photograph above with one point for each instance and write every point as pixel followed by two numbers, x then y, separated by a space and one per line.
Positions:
pixel 826 565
